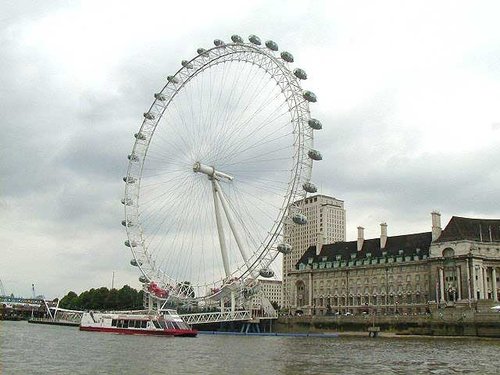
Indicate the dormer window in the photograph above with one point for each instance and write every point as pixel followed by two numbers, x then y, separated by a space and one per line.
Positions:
pixel 353 256
pixel 400 252
pixel 368 255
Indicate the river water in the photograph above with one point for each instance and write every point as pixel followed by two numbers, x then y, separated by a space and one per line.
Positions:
pixel 39 349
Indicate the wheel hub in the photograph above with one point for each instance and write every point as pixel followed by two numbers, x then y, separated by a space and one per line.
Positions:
pixel 211 172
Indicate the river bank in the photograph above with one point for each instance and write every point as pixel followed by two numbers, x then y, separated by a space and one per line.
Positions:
pixel 444 322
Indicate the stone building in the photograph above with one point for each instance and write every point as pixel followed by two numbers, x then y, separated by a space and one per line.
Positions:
pixel 465 260
pixel 325 224
pixel 403 274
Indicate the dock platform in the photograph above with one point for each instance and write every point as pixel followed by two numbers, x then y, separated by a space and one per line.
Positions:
pixel 53 322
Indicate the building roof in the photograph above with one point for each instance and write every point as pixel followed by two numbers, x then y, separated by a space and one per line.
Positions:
pixel 462 228
pixel 408 243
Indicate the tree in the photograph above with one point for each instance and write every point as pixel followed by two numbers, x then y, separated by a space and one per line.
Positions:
pixel 102 298
pixel 69 301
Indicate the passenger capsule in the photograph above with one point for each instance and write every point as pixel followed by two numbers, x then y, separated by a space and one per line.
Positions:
pixel 127 223
pixel 271 45
pixel 143 279
pixel 129 180
pixel 299 73
pixel 315 124
pixel 310 187
pixel 159 96
pixel 127 202
pixel 285 248
pixel 287 56
pixel 135 263
pixel 236 39
pixel 172 79
pixel 149 115
pixel 187 64
pixel 310 96
pixel 133 157
pixel 266 272
pixel 315 155
pixel 140 136
pixel 254 39
pixel 299 219
pixel 130 244
pixel 218 42
pixel 202 51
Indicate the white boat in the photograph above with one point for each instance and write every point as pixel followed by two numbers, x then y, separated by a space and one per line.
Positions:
pixel 166 323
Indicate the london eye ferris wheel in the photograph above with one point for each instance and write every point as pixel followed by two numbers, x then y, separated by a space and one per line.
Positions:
pixel 221 157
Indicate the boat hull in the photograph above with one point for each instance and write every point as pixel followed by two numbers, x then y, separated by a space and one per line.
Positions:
pixel 149 332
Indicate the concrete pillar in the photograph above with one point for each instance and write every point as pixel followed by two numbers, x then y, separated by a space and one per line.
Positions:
pixel 441 285
pixel 459 282
pixel 468 279
pixel 310 289
pixel 480 279
pixel 475 285
pixel 233 301
pixel 494 284
pixel 485 282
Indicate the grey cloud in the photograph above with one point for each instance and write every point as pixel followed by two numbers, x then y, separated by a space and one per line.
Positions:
pixel 64 144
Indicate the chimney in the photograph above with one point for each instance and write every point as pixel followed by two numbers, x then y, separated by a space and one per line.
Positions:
pixel 383 235
pixel 436 225
pixel 361 237
pixel 320 240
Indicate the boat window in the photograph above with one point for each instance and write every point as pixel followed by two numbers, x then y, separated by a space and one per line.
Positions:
pixel 175 325
pixel 144 324
pixel 170 325
pixel 137 324
pixel 113 322
pixel 125 324
pixel 162 324
pixel 120 324
pixel 156 324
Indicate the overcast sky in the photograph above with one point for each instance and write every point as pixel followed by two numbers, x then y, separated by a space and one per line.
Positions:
pixel 408 93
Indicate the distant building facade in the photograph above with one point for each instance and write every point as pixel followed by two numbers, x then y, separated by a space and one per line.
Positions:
pixel 401 274
pixel 272 289
pixel 325 224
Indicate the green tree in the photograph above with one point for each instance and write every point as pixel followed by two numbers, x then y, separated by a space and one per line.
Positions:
pixel 69 301
pixel 98 298
pixel 112 301
pixel 102 298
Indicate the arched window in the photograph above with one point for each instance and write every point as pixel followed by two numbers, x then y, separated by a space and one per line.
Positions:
pixel 300 293
pixel 448 253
